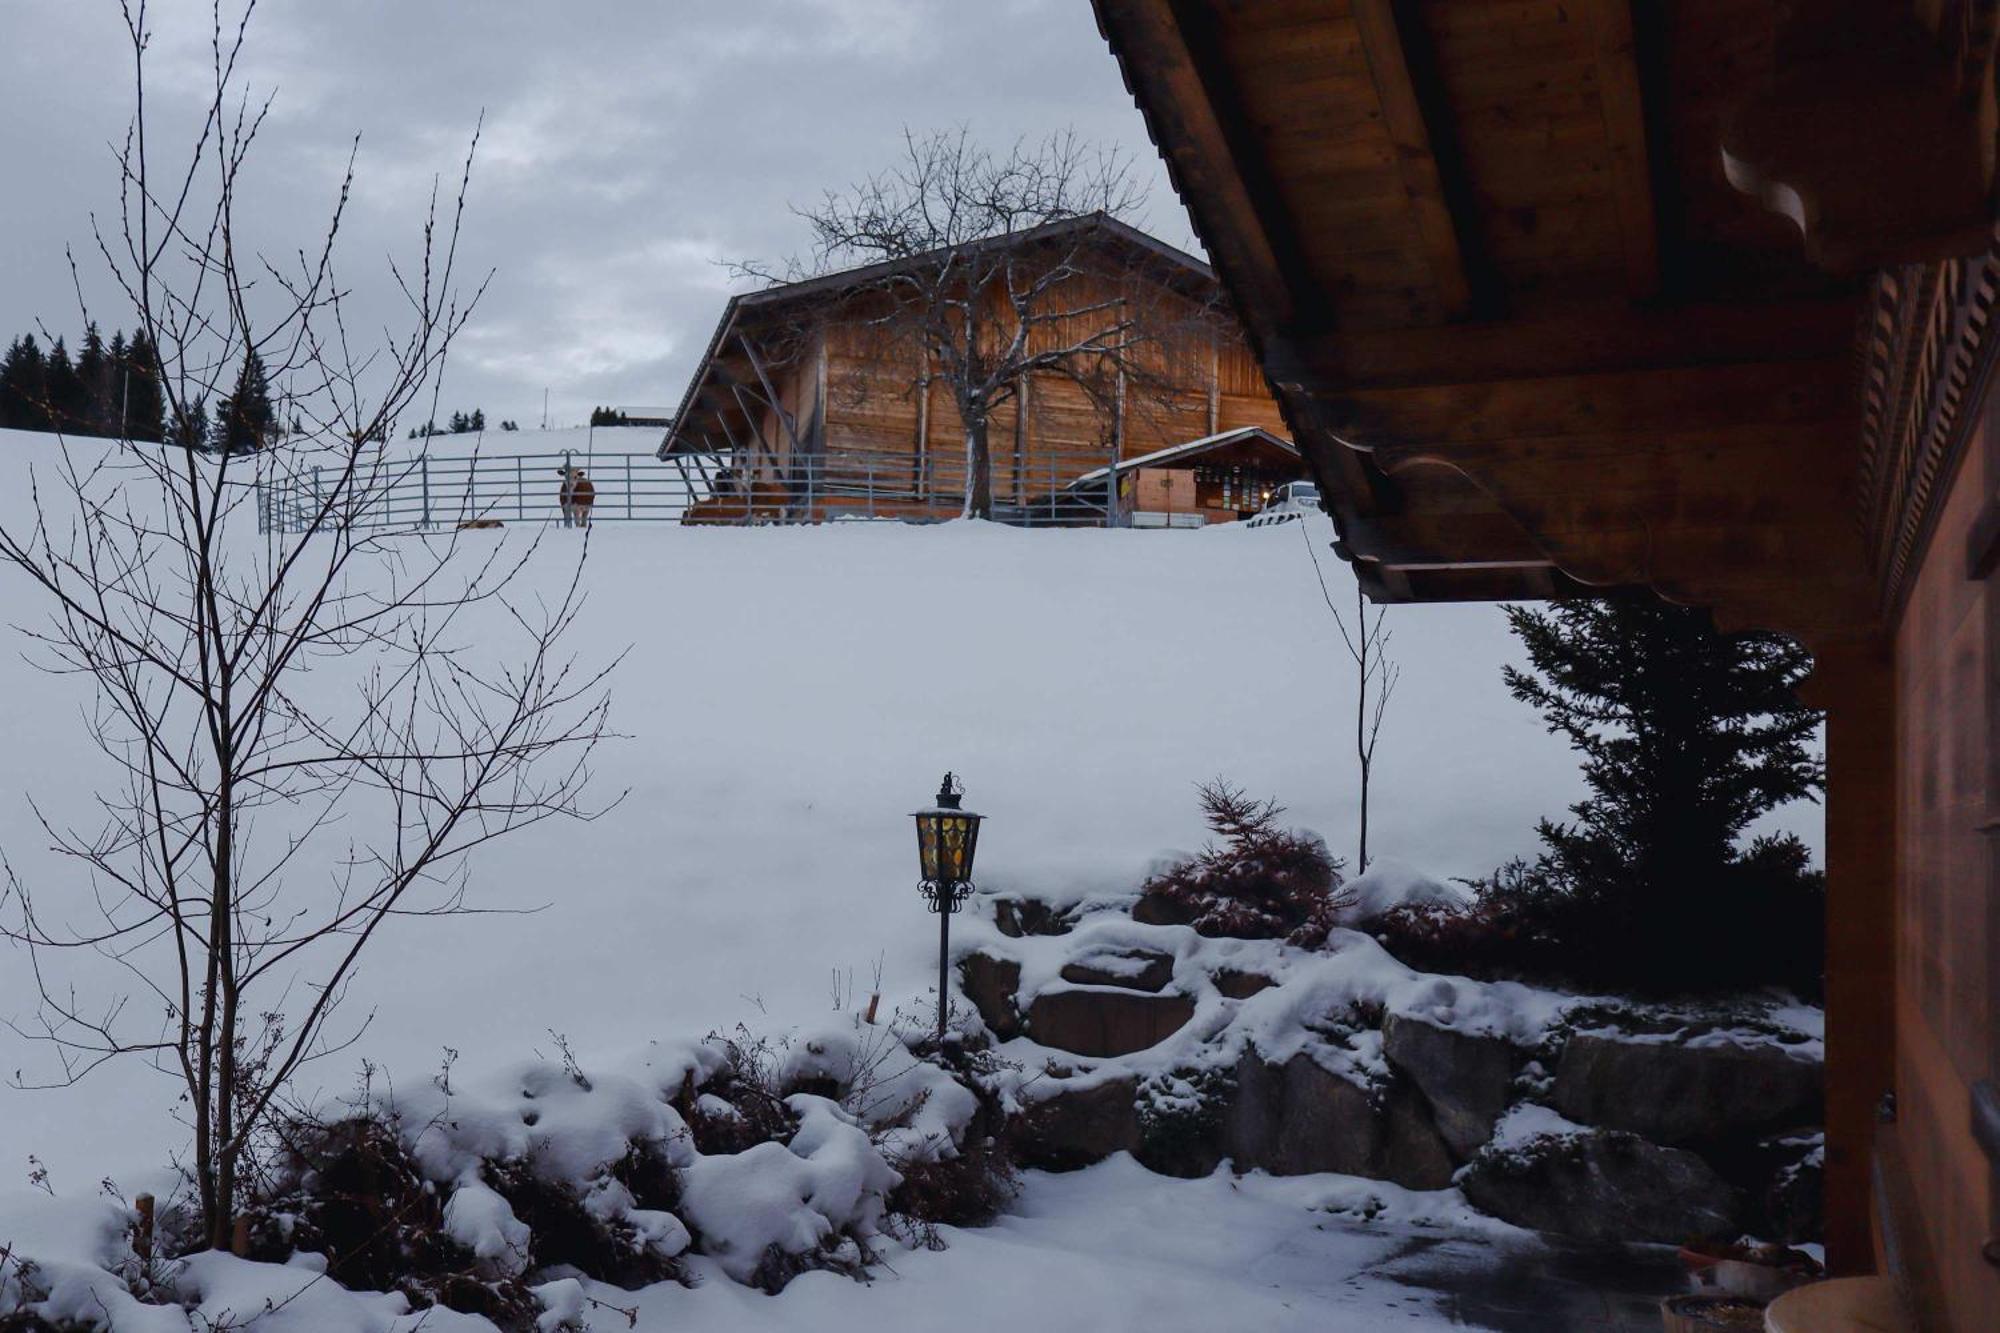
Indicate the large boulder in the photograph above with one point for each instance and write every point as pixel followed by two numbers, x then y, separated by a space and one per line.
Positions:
pixel 1676 1093
pixel 1414 1154
pixel 1466 1079
pixel 1299 1117
pixel 1133 969
pixel 1602 1186
pixel 990 983
pixel 1075 1124
pixel 1101 1021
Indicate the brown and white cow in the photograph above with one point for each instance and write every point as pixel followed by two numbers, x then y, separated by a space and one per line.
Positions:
pixel 578 495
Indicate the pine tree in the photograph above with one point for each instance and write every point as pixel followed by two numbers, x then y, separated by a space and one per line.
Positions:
pixel 190 429
pixel 23 386
pixel 64 390
pixel 1687 737
pixel 93 370
pixel 243 420
pixel 477 421
pixel 142 401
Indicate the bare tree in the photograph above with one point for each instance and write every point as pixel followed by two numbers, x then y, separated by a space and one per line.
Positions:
pixel 305 741
pixel 1375 677
pixel 964 270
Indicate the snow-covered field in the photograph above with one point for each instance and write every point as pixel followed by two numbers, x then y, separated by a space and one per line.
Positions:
pixel 787 696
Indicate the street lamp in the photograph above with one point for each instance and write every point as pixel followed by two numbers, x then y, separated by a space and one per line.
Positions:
pixel 947 836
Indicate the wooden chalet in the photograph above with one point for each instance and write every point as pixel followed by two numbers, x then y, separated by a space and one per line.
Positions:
pixel 816 416
pixel 1694 296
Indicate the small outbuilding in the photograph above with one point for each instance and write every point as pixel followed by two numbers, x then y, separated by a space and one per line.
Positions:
pixel 1217 478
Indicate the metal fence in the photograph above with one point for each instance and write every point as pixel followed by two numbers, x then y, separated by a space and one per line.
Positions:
pixel 452 490
pixel 430 491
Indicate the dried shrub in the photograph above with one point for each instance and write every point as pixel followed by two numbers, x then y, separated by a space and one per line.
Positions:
pixel 838 1253
pixel 1259 882
pixel 349 1190
pixel 564 1232
pixel 748 1085
pixel 968 1190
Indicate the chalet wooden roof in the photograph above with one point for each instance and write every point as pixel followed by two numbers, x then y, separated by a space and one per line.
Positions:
pixel 1528 278
pixel 747 312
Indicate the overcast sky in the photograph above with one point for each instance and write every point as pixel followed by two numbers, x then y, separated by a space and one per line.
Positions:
pixel 630 146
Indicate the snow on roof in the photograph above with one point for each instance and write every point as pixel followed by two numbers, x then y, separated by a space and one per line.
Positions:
pixel 1174 452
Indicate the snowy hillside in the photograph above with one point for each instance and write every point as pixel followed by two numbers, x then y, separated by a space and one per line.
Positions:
pixel 788 695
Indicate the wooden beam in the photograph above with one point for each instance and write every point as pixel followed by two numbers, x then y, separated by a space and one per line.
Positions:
pixel 1619 92
pixel 771 397
pixel 1855 683
pixel 1170 53
pixel 1597 338
pixel 1416 162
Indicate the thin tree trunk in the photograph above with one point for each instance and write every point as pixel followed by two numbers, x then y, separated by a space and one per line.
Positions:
pixel 978 471
pixel 1363 749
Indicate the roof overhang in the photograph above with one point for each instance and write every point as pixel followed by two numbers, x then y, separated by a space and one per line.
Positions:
pixel 1528 331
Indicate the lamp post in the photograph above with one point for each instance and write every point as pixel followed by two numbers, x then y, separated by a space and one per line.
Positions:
pixel 947 836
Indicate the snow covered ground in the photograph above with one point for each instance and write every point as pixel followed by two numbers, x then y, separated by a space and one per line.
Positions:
pixel 788 695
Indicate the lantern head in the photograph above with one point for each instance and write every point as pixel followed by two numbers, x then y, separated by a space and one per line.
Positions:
pixel 947 836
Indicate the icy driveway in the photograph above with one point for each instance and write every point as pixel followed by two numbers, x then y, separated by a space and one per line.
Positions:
pixel 1117 1248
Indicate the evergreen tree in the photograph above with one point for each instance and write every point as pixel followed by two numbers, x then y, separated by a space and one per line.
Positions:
pixel 64 389
pixel 510 425
pixel 477 421
pixel 23 386
pixel 243 420
pixel 142 401
pixel 115 363
pixel 190 429
pixel 1687 736
pixel 93 369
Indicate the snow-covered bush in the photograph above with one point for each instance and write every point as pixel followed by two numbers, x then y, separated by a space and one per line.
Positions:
pixel 1259 881
pixel 1180 1115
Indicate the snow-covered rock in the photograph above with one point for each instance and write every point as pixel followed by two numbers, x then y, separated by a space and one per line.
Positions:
pixel 1389 884
pixel 1547 1173
pixel 1673 1092
pixel 1467 1078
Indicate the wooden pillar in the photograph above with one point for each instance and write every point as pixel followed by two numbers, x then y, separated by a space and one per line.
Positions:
pixel 1855 683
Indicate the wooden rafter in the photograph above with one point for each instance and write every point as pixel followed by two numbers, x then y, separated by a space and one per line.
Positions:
pixel 1249 232
pixel 1620 92
pixel 1416 161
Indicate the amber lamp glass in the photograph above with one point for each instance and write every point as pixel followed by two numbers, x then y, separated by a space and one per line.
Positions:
pixel 947 836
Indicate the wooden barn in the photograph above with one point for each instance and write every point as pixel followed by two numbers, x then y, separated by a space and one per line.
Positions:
pixel 817 415
pixel 1695 297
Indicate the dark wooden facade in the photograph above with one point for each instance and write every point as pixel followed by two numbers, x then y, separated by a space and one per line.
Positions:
pixel 1695 296
pixel 797 382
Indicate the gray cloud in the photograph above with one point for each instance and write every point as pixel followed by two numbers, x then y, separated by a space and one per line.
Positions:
pixel 629 148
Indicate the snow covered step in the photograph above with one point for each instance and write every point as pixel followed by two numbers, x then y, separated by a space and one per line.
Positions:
pixel 1102 1021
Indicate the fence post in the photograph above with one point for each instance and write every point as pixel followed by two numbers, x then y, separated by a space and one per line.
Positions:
pixel 520 491
pixel 628 487
pixel 427 485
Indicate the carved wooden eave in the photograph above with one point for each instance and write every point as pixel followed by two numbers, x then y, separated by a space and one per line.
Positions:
pixel 1873 133
pixel 1876 137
